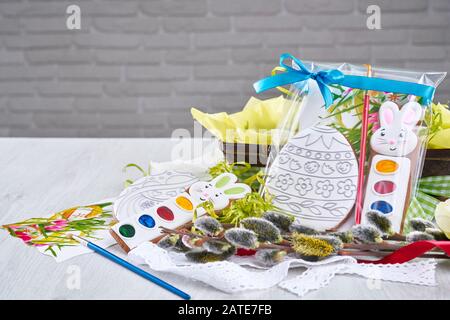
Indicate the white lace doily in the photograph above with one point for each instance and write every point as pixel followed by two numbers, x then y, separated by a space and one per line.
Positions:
pixel 232 276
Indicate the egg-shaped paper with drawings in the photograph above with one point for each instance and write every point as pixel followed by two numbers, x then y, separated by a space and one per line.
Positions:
pixel 315 177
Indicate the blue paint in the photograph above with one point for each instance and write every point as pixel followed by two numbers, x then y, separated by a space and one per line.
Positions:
pixel 147 221
pixel 382 206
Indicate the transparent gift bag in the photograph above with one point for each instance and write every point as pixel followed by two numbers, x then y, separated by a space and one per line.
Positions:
pixel 314 169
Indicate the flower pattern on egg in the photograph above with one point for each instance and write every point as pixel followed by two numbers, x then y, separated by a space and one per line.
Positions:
pixel 284 181
pixel 346 187
pixel 303 186
pixel 324 188
pixel 311 191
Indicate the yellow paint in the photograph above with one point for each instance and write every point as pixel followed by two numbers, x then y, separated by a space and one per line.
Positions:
pixel 184 203
pixel 386 166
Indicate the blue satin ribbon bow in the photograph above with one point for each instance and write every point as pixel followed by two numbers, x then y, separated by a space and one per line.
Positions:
pixel 325 78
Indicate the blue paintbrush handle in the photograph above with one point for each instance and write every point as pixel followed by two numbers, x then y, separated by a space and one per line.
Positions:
pixel 137 270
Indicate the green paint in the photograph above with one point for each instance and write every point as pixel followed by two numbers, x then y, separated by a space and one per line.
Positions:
pixel 127 230
pixel 223 182
pixel 235 190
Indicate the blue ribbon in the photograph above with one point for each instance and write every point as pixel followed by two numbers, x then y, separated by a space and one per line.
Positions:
pixel 326 77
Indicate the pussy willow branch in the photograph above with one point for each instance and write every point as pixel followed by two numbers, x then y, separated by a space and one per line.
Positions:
pixel 353 249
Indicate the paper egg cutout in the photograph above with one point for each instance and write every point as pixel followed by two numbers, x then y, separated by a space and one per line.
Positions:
pixel 315 177
pixel 149 191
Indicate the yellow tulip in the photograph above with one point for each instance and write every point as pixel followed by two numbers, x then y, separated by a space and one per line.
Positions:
pixel 442 216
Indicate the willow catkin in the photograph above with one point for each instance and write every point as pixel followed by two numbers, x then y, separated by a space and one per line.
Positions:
pixel 169 241
pixel 208 225
pixel 418 236
pixel 419 224
pixel 380 221
pixel 280 220
pixel 265 230
pixel 216 246
pixel 242 238
pixel 366 234
pixel 311 246
pixel 270 257
pixel 204 256
pixel 299 228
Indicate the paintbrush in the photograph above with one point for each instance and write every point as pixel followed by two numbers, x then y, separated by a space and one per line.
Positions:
pixel 362 151
pixel 105 253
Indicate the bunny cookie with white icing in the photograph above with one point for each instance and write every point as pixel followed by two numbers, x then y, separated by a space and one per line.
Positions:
pixel 177 211
pixel 389 176
pixel 395 137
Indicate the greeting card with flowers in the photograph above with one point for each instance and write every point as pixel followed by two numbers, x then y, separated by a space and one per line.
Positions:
pixel 51 235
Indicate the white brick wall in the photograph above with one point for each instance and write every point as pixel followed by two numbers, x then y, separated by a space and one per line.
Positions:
pixel 137 66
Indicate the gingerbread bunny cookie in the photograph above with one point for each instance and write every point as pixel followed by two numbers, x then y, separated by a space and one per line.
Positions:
pixel 388 184
pixel 177 211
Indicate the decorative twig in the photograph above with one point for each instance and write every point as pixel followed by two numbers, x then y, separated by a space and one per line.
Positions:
pixel 350 249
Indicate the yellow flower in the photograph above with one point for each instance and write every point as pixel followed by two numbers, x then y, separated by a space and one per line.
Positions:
pixel 442 216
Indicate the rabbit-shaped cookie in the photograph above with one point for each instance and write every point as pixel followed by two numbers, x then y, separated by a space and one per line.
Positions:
pixel 389 176
pixel 220 191
pixel 395 137
pixel 177 211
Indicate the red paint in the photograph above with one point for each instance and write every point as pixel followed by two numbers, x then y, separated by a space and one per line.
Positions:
pixel 245 252
pixel 384 187
pixel 165 213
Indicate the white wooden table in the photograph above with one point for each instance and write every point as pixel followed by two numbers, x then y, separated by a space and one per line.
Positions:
pixel 41 176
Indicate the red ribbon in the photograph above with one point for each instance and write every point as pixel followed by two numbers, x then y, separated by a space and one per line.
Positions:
pixel 411 251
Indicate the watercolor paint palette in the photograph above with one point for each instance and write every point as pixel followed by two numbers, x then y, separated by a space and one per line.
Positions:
pixel 387 188
pixel 177 211
pixel 394 142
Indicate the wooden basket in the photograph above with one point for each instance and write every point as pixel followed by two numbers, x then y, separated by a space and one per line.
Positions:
pixel 437 163
pixel 255 154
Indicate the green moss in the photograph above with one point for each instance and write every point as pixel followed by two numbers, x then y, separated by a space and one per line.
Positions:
pixel 253 176
pixel 252 205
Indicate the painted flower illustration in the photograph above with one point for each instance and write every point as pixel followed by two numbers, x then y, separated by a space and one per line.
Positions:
pixel 346 187
pixel 303 186
pixel 284 181
pixel 57 225
pixel 52 232
pixel 324 188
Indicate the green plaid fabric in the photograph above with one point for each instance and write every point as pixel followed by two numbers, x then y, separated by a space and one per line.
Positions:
pixel 437 186
pixel 424 204
pixel 415 210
